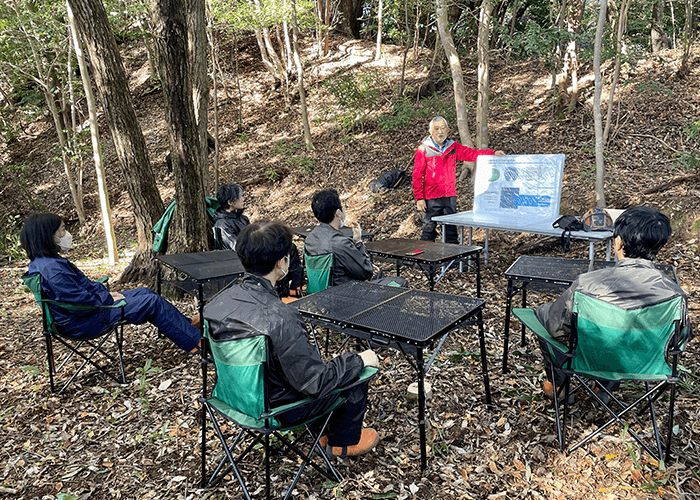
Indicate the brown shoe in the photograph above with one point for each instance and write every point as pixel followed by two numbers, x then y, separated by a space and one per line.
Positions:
pixel 548 389
pixel 368 440
pixel 323 441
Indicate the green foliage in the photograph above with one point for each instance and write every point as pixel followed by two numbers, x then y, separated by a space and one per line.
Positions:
pixel 693 130
pixel 271 174
pixel 306 165
pixel 9 237
pixel 406 111
pixel 143 372
pixel 243 16
pixel 355 96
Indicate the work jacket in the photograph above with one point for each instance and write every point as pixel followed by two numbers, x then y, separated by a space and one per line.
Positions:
pixel 434 172
pixel 62 281
pixel 350 260
pixel 630 284
pixel 229 224
pixel 296 369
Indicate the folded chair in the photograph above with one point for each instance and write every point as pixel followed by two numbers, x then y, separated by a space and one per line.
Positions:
pixel 240 398
pixel 84 347
pixel 610 343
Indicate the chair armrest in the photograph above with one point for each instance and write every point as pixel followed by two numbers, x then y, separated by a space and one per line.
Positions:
pixel 529 319
pixel 77 307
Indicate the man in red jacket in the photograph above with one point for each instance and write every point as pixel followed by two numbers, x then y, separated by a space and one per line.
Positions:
pixel 434 176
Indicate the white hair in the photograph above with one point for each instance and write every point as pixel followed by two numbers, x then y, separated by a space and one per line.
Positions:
pixel 436 120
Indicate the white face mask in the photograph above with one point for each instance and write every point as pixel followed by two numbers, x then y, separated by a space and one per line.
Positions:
pixel 342 218
pixel 66 243
pixel 285 271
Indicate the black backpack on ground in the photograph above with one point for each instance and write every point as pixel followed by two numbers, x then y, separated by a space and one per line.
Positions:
pixel 388 180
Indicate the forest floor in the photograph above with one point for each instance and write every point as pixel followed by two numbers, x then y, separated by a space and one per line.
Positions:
pixel 99 440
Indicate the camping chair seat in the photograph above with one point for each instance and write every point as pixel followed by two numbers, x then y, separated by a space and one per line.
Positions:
pixel 610 343
pixel 240 397
pixel 319 271
pixel 85 347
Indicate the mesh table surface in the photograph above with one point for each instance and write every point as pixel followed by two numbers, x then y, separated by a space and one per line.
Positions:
pixel 561 271
pixel 205 266
pixel 403 314
pixel 420 250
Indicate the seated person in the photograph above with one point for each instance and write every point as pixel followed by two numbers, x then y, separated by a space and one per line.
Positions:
pixel 296 370
pixel 229 221
pixel 350 258
pixel 42 237
pixel 633 282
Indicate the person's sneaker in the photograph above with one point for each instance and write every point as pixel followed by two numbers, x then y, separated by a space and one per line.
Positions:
pixel 323 441
pixel 548 389
pixel 368 440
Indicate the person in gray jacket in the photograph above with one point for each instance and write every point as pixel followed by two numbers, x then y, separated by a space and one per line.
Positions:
pixel 350 258
pixel 634 281
pixel 296 369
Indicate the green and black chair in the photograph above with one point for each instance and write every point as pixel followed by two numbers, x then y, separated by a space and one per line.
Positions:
pixel 240 398
pixel 608 343
pixel 319 272
pixel 87 348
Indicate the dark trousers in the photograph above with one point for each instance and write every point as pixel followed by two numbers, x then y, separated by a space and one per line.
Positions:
pixel 142 305
pixel 345 426
pixel 433 208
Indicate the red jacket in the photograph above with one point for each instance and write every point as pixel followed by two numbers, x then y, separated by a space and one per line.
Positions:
pixel 434 173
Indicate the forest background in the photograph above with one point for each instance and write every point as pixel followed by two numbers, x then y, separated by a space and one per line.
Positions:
pixel 286 98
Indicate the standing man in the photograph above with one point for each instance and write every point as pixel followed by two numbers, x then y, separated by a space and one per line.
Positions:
pixel 435 179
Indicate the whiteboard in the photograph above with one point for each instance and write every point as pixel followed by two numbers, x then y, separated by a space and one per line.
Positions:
pixel 518 188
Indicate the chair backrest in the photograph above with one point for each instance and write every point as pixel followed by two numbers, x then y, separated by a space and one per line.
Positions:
pixel 241 370
pixel 319 271
pixel 33 281
pixel 619 344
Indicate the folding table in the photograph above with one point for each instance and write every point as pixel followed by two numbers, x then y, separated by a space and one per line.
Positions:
pixel 551 275
pixel 303 231
pixel 408 319
pixel 427 256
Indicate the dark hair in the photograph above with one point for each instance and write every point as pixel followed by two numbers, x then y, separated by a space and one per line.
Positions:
pixel 261 244
pixel 324 205
pixel 228 193
pixel 37 233
pixel 643 231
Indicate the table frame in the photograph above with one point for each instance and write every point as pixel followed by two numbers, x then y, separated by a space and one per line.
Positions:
pixel 421 260
pixel 372 335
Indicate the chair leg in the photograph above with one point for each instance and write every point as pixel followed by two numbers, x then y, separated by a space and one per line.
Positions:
pixel 669 437
pixel 267 465
pixel 49 355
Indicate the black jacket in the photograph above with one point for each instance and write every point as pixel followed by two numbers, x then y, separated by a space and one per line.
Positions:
pixel 229 224
pixel 296 369
pixel 350 260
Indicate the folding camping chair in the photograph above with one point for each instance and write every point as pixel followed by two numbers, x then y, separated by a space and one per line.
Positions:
pixel 610 343
pixel 84 347
pixel 240 397
pixel 319 271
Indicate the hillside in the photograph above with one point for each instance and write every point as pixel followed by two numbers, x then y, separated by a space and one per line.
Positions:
pixel 100 441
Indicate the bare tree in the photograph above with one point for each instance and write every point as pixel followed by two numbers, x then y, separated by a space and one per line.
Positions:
pixel 621 25
pixel 300 79
pixel 598 120
pixel 105 209
pixel 110 79
pixel 482 104
pixel 378 51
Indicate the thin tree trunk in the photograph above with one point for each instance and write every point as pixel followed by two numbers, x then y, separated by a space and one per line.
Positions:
pixel 621 28
pixel 300 79
pixel 215 92
pixel 105 210
pixel 130 146
pixel 457 81
pixel 378 50
pixel 599 150
pixel 482 105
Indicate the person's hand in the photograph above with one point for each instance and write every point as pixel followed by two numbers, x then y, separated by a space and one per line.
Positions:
pixel 375 269
pixel 369 358
pixel 499 153
pixel 420 205
pixel 356 231
pixel 116 296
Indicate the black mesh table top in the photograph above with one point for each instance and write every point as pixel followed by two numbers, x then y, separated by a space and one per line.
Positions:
pixel 303 231
pixel 205 266
pixel 405 315
pixel 556 270
pixel 420 251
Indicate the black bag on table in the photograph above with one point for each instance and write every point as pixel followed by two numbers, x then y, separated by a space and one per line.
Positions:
pixel 567 223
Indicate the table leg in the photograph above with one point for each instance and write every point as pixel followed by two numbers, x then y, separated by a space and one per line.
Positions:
pixel 523 340
pixel 203 347
pixel 469 236
pixel 478 277
pixel 608 245
pixel 431 277
pixel 421 409
pixel 506 333
pixel 484 362
pixel 591 251
pixel 486 247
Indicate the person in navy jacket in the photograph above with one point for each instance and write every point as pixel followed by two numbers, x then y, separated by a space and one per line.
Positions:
pixel 435 176
pixel 42 237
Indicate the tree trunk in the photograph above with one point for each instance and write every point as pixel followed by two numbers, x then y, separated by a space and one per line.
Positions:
pixel 621 28
pixel 215 96
pixel 174 24
pixel 300 79
pixel 688 31
pixel 599 157
pixel 110 78
pixel 457 81
pixel 198 68
pixel 574 25
pixel 378 50
pixel 659 39
pixel 482 105
pixel 105 210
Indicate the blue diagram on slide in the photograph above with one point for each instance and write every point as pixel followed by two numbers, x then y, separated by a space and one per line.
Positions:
pixel 511 198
